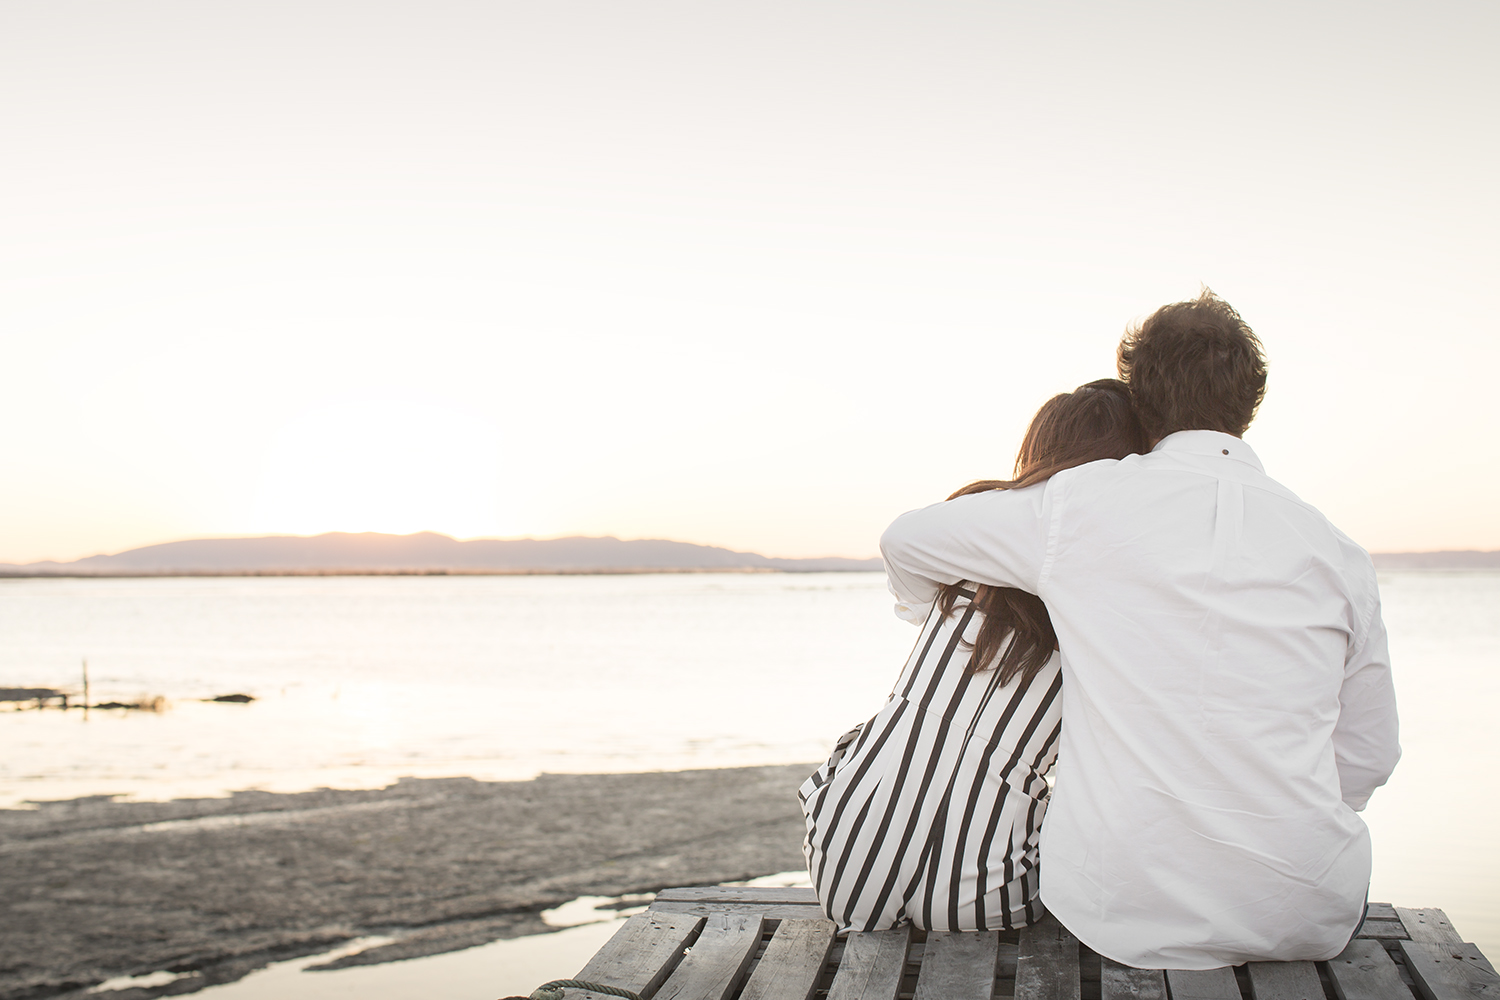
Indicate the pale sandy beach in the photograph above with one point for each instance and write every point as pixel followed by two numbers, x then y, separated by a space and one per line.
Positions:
pixel 96 889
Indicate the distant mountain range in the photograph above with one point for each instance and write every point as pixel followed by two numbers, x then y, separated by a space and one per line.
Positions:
pixel 428 552
pixel 424 552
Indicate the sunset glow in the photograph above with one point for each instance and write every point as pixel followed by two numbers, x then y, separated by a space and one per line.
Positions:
pixel 761 276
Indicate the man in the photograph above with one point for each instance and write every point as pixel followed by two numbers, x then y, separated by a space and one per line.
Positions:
pixel 1227 697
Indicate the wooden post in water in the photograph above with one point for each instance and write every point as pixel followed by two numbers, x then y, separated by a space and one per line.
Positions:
pixel 85 689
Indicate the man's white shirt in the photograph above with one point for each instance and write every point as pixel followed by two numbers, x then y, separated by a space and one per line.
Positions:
pixel 1227 697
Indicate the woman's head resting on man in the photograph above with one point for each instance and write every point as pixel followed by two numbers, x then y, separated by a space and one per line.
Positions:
pixel 1093 422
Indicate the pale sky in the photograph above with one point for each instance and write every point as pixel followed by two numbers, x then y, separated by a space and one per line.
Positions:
pixel 761 275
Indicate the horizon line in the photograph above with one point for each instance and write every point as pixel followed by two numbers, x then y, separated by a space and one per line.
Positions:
pixel 336 571
pixel 424 531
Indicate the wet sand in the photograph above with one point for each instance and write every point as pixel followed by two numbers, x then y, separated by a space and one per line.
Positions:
pixel 94 889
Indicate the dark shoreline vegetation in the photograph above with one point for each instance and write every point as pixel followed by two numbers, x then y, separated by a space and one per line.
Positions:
pixel 43 698
pixel 96 889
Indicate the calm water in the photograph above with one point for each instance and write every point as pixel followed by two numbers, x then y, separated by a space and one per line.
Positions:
pixel 361 680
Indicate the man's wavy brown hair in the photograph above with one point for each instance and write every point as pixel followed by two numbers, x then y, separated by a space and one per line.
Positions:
pixel 1193 366
pixel 1095 421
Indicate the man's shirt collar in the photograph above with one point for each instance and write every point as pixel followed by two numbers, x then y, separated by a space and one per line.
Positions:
pixel 1212 444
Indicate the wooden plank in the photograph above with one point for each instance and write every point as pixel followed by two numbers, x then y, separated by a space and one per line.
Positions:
pixel 1380 911
pixel 959 966
pixel 793 960
pixel 1471 953
pixel 1363 971
pixel 1121 982
pixel 1449 971
pixel 1284 981
pixel 1384 930
pixel 717 961
pixel 1211 984
pixel 771 911
pixel 738 894
pixel 1464 951
pixel 872 966
pixel 643 952
pixel 1428 924
pixel 1047 963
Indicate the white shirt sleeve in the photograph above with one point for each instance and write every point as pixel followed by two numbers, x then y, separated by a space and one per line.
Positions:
pixel 998 538
pixel 1365 743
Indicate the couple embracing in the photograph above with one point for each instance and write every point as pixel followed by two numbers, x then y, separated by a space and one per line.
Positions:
pixel 1193 655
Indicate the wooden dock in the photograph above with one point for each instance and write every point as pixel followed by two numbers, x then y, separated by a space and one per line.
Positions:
pixel 41 696
pixel 727 943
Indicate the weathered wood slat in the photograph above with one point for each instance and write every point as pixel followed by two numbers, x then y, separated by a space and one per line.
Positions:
pixel 793 960
pixel 1047 963
pixel 1284 981
pixel 1121 982
pixel 958 966
pixel 642 953
pixel 1471 953
pixel 1428 924
pixel 1363 971
pixel 1449 971
pixel 1381 911
pixel 1462 951
pixel 771 911
pixel 872 966
pixel 738 894
pixel 1384 930
pixel 1212 984
pixel 717 962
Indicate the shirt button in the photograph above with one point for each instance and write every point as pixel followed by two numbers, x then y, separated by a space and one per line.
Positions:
pixel 1226 451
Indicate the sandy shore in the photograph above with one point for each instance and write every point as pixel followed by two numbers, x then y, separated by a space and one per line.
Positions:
pixel 94 889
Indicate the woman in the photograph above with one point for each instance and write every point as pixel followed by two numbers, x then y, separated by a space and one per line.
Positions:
pixel 931 811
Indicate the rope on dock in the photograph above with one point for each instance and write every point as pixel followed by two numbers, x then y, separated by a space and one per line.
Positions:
pixel 554 990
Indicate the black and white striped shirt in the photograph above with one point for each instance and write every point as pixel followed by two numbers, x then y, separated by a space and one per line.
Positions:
pixel 930 811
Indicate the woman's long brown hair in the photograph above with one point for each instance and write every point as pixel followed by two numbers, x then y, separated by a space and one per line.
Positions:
pixel 1093 422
